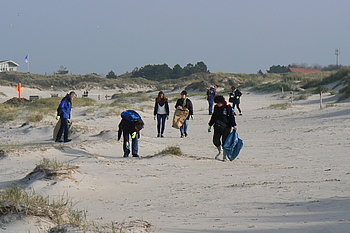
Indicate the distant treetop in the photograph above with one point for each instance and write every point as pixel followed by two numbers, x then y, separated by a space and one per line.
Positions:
pixel 163 71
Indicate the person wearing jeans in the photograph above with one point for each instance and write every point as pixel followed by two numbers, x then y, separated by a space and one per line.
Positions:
pixel 127 129
pixel 210 97
pixel 161 112
pixel 187 103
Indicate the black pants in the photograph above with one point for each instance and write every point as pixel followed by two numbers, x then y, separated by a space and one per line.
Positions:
pixel 64 129
pixel 219 138
pixel 234 104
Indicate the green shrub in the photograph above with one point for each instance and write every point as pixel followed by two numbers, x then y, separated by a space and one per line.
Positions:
pixel 302 97
pixel 35 117
pixel 345 91
pixel 174 150
pixel 7 113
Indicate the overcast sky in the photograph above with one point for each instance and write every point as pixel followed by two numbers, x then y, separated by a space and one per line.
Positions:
pixel 238 36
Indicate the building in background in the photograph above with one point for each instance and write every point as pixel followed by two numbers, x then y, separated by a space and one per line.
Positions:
pixel 8 65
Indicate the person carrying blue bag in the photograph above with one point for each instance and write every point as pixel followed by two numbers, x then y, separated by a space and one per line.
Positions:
pixel 223 121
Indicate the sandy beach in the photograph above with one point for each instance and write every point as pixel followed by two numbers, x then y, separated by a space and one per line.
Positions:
pixel 292 175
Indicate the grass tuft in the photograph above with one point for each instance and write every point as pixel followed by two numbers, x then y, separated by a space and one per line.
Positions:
pixel 15 200
pixel 174 150
pixel 283 106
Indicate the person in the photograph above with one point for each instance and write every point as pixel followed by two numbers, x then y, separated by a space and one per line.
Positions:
pixel 161 112
pixel 235 97
pixel 211 92
pixel 187 103
pixel 223 120
pixel 127 129
pixel 64 113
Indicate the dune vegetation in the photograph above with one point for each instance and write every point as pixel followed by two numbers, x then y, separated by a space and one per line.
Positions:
pixel 269 82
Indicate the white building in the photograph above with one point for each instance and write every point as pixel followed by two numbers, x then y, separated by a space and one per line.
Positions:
pixel 8 65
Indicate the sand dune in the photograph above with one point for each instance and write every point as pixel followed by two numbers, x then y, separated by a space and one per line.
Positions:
pixel 292 174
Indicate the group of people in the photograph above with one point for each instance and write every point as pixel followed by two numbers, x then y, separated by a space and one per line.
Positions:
pixel 234 98
pixel 222 118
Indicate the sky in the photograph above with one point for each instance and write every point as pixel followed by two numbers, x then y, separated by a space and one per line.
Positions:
pixel 234 36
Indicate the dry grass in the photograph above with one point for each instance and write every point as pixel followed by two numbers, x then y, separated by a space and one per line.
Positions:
pixel 53 169
pixel 283 106
pixel 16 200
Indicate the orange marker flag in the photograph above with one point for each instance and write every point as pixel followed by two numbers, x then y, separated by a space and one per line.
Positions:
pixel 19 89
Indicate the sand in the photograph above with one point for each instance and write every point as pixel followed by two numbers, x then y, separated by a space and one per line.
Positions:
pixel 292 175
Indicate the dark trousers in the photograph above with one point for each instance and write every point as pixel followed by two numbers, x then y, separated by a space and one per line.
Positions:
pixel 161 118
pixel 64 129
pixel 234 104
pixel 219 138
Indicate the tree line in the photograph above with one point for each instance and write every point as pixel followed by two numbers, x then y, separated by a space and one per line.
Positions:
pixel 278 69
pixel 163 71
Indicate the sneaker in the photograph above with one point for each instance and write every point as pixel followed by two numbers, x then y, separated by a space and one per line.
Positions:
pixel 181 136
pixel 185 134
pixel 136 155
pixel 240 114
pixel 162 136
pixel 58 140
pixel 158 135
pixel 68 140
pixel 126 156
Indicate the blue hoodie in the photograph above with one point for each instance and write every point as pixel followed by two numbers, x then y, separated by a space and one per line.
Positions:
pixel 65 107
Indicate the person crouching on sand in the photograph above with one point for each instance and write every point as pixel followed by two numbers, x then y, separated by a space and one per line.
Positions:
pixel 223 120
pixel 131 128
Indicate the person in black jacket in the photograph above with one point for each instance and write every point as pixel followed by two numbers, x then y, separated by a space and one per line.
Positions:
pixel 130 128
pixel 223 120
pixel 185 102
pixel 161 112
pixel 235 98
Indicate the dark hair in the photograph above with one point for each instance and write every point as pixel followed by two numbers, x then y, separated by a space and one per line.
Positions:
pixel 219 99
pixel 161 99
pixel 233 87
pixel 72 93
pixel 139 124
pixel 183 92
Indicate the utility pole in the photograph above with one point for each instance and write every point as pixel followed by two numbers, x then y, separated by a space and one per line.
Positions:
pixel 337 53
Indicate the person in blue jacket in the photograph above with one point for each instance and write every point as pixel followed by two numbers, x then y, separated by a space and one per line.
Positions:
pixel 223 120
pixel 161 112
pixel 64 113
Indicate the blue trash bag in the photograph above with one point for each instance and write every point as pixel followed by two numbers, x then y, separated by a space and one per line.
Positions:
pixel 233 145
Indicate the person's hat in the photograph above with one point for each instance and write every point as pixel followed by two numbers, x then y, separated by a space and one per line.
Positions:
pixel 183 92
pixel 216 86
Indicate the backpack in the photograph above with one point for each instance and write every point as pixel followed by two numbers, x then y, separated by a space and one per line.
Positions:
pixel 208 92
pixel 130 115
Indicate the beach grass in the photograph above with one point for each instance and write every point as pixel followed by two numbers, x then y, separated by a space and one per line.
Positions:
pixel 16 200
